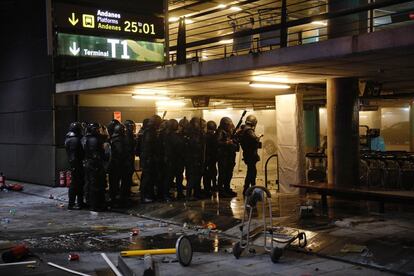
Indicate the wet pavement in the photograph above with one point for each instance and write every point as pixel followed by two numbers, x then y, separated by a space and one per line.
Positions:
pixel 353 238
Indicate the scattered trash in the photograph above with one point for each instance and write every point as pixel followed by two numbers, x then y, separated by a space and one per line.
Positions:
pixel 28 263
pixel 354 248
pixel 204 231
pixel 344 223
pixel 15 254
pixel 135 232
pixel 5 220
pixel 12 212
pixel 51 197
pixel 93 213
pixel 62 205
pixel 210 226
pixel 111 265
pixel 163 224
pixel 168 260
pixel 67 270
pixel 185 225
pixel 73 257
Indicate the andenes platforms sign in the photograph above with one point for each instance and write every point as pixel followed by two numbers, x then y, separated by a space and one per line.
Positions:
pixel 102 21
pixel 84 31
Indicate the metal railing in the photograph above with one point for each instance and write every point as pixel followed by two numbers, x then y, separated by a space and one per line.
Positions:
pixel 263 27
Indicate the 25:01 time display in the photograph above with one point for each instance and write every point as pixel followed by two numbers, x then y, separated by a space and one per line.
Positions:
pixel 138 27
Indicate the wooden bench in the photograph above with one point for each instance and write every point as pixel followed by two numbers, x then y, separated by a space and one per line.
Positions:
pixel 402 197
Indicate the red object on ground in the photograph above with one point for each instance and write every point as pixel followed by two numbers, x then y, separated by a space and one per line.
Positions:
pixel 2 180
pixel 411 16
pixel 68 178
pixel 15 254
pixel 73 257
pixel 15 187
pixel 62 179
pixel 135 232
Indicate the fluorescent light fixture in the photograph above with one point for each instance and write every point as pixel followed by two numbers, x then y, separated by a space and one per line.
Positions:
pixel 146 91
pixel 270 79
pixel 235 8
pixel 269 85
pixel 175 19
pixel 226 41
pixel 176 103
pixel 319 23
pixel 150 97
pixel 221 6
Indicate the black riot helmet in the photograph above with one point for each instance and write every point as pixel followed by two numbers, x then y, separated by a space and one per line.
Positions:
pixel 119 130
pixel 195 123
pixel 183 123
pixel 76 128
pixel 111 126
pixel 93 128
pixel 154 122
pixel 251 120
pixel 172 125
pixel 130 126
pixel 211 125
pixel 226 123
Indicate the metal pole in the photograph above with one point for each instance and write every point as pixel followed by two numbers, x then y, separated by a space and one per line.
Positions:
pixel 283 26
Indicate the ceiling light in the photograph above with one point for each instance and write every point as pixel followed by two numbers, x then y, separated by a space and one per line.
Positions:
pixel 175 19
pixel 319 23
pixel 270 79
pixel 146 91
pixel 226 41
pixel 269 85
pixel 150 97
pixel 235 8
pixel 221 6
pixel 176 103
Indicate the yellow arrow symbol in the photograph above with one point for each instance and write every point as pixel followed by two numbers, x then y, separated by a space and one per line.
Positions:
pixel 73 20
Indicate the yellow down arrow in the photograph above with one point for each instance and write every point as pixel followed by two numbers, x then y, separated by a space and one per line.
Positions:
pixel 73 20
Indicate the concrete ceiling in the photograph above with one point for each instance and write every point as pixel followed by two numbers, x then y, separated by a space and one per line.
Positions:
pixel 393 69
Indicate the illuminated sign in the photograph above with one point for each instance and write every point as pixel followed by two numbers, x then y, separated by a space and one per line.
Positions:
pixel 102 21
pixel 110 48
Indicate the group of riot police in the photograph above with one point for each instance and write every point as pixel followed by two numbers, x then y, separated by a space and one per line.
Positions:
pixel 167 150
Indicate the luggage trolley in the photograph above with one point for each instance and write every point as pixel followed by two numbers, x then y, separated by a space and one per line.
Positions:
pixel 253 196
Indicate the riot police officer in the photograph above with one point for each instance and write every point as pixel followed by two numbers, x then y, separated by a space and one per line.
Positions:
pixel 174 149
pixel 194 159
pixel 111 126
pixel 250 144
pixel 94 166
pixel 118 158
pixel 75 156
pixel 226 156
pixel 210 165
pixel 150 159
pixel 129 165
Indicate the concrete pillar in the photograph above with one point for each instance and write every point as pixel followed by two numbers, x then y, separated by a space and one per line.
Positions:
pixel 290 141
pixel 343 132
pixel 412 126
pixel 353 24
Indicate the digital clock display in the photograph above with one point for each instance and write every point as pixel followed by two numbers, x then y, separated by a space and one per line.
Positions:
pixel 103 21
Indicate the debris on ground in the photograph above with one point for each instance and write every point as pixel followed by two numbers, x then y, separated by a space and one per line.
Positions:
pixel 73 257
pixel 210 225
pixel 354 248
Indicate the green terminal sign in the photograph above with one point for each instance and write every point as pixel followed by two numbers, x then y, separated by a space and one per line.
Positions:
pixel 110 48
